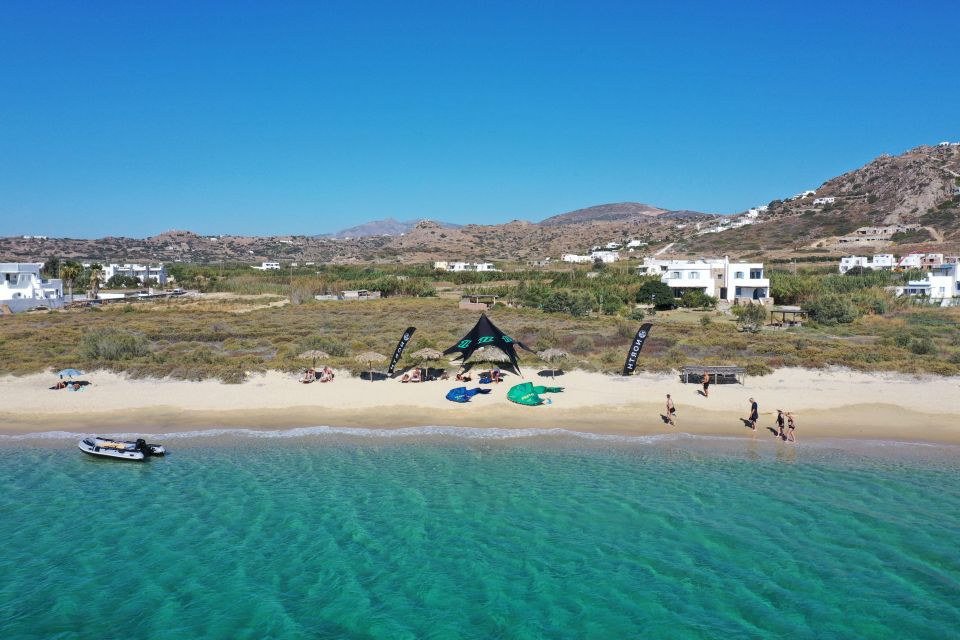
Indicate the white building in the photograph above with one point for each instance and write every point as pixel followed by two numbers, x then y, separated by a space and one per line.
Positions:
pixel 577 259
pixel 267 266
pixel 911 261
pixel 444 265
pixel 716 277
pixel 635 244
pixel 143 273
pixel 879 261
pixel 604 256
pixel 940 285
pixel 825 200
pixel 22 287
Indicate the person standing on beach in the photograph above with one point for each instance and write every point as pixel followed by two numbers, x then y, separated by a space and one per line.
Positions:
pixel 791 429
pixel 671 411
pixel 706 384
pixel 754 414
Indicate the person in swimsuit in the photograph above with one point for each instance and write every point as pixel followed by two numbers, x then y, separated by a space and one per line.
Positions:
pixel 754 414
pixel 671 410
pixel 791 429
pixel 780 420
pixel 706 384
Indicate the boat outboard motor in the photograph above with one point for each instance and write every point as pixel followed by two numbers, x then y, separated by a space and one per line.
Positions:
pixel 143 447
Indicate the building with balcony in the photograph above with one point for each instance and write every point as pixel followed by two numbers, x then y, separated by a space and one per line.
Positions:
pixel 143 273
pixel 22 287
pixel 716 277
pixel 941 285
pixel 879 261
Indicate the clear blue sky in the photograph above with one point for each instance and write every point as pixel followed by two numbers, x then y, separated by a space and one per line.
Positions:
pixel 130 118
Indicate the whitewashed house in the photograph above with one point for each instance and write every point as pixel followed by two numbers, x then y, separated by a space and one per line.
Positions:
pixel 940 285
pixel 143 273
pixel 22 287
pixel 604 256
pixel 911 261
pixel 267 266
pixel 576 259
pixel 879 261
pixel 824 200
pixel 716 277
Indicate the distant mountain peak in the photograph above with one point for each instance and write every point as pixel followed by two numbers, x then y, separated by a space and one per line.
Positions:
pixel 605 213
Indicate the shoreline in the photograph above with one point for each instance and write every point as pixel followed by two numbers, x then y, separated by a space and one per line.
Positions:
pixel 828 404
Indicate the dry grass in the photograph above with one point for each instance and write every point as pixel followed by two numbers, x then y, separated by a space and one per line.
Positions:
pixel 228 338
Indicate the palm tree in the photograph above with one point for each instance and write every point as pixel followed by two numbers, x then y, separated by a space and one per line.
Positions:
pixel 69 273
pixel 96 273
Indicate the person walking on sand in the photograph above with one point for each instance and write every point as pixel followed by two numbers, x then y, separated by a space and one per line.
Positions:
pixel 780 420
pixel 754 414
pixel 671 411
pixel 791 429
pixel 706 384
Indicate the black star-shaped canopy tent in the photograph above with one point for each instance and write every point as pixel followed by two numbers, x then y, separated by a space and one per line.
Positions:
pixel 486 334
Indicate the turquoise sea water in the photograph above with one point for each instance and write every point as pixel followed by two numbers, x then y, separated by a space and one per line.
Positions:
pixel 436 537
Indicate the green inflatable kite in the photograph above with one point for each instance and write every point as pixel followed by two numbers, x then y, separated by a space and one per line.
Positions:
pixel 526 393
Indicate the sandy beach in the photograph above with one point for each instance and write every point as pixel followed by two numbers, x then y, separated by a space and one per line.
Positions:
pixel 834 403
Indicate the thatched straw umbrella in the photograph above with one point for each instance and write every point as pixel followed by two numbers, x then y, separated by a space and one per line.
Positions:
pixel 487 355
pixel 314 354
pixel 426 355
pixel 369 358
pixel 552 356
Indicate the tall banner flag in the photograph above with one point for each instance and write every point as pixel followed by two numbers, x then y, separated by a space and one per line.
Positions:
pixel 634 352
pixel 404 339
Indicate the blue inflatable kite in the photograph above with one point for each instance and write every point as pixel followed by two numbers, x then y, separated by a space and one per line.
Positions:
pixel 462 394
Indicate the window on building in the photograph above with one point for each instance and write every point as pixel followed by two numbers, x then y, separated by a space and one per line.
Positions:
pixel 738 275
pixel 674 274
pixel 694 275
pixel 756 274
pixel 739 291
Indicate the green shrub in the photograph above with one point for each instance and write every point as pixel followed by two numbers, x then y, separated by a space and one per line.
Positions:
pixel 696 299
pixel 832 309
pixel 638 315
pixel 923 346
pixel 750 317
pixel 111 344
pixel 656 293
pixel 705 321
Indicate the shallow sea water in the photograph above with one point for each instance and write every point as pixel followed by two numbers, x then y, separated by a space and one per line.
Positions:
pixel 325 534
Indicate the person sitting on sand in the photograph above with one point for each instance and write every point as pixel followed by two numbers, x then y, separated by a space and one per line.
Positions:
pixel 464 376
pixel 706 384
pixel 671 410
pixel 415 376
pixel 496 375
pixel 326 375
pixel 791 429
pixel 754 414
pixel 308 376
pixel 780 419
pixel 444 376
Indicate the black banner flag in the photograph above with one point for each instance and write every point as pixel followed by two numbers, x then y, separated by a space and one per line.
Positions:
pixel 634 352
pixel 404 339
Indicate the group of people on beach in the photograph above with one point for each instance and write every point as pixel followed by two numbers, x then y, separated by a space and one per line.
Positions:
pixel 786 424
pixel 317 375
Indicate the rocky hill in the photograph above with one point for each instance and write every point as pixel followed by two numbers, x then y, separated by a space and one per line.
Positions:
pixel 919 187
pixel 604 213
pixel 385 227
